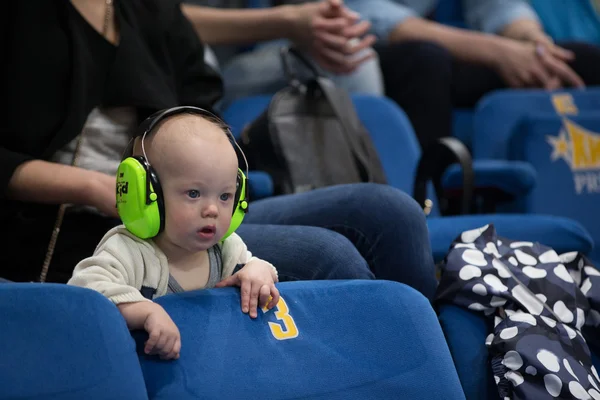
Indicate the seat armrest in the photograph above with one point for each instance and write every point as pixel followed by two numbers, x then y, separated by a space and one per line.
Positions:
pixel 514 178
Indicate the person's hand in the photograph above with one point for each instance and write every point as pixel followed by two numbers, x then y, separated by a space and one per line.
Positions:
pixel 529 65
pixel 257 283
pixel 556 59
pixel 102 193
pixel 541 38
pixel 332 34
pixel 164 338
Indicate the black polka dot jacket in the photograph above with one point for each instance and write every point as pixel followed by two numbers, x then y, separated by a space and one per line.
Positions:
pixel 543 310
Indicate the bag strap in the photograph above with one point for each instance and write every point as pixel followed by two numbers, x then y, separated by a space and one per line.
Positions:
pixel 433 163
pixel 59 220
pixel 286 54
pixel 340 102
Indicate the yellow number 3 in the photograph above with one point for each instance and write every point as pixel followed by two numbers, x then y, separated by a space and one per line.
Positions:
pixel 287 329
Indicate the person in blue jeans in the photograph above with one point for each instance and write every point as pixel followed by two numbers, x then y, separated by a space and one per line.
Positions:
pixel 429 68
pixel 81 81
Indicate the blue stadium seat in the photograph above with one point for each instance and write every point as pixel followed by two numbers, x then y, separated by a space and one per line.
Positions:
pixel 513 178
pixel 566 151
pixel 260 185
pixel 243 111
pixel 462 125
pixel 558 135
pixel 500 112
pixel 399 151
pixel 562 234
pixel 327 340
pixel 60 342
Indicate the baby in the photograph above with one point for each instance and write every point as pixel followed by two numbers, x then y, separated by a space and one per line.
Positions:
pixel 192 153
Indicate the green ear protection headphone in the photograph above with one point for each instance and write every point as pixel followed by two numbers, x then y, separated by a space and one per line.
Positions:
pixel 140 201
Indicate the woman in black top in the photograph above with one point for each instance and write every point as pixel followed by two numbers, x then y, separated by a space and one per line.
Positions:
pixel 70 65
pixel 59 65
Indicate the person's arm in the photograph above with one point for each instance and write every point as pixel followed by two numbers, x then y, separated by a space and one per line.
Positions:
pixel 518 20
pixel 46 182
pixel 164 338
pixel 463 44
pixel 515 19
pixel 525 29
pixel 395 22
pixel 136 314
pixel 520 64
pixel 116 270
pixel 240 26
pixel 327 30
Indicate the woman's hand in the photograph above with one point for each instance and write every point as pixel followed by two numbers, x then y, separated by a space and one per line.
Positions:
pixel 523 64
pixel 332 34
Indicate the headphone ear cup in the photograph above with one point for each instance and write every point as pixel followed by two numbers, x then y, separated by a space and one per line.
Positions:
pixel 139 210
pixel 240 204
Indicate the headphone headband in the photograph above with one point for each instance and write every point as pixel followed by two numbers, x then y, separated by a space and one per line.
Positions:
pixel 150 123
pixel 153 120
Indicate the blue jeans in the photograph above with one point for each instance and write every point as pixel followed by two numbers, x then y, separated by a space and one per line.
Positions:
pixel 360 231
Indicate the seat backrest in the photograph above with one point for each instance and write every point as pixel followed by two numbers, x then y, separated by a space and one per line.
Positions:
pixel 565 151
pixel 64 342
pixel 325 340
pixel 243 111
pixel 499 113
pixel 393 136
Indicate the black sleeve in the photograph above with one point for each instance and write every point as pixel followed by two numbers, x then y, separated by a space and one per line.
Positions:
pixel 198 83
pixel 9 161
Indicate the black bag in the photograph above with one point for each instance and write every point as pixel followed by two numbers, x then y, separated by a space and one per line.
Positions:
pixel 310 136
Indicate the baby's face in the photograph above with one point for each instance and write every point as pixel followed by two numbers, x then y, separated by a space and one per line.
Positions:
pixel 197 169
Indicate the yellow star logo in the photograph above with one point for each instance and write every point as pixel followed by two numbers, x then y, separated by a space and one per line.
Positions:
pixel 561 147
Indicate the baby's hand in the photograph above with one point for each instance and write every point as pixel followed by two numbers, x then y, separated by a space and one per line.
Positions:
pixel 164 338
pixel 257 282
